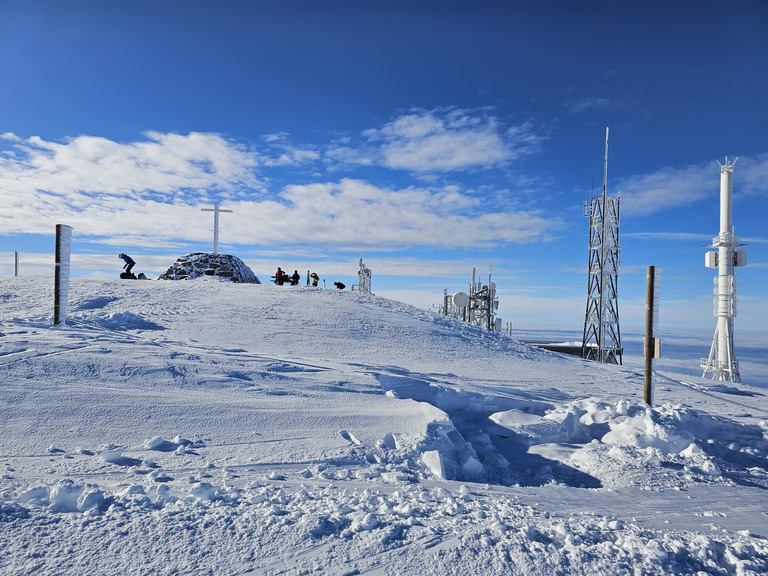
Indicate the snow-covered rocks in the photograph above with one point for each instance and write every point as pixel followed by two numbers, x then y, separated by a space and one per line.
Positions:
pixel 199 264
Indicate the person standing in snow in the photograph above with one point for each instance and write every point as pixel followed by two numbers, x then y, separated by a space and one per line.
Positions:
pixel 129 263
pixel 279 276
pixel 315 278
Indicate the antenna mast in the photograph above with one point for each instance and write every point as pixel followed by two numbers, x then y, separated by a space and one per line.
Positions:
pixel 602 336
pixel 722 363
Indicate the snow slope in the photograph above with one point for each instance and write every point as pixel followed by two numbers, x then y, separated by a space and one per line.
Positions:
pixel 204 427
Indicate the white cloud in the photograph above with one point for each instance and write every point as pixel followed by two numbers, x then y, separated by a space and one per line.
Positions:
pixel 150 192
pixel 668 188
pixel 752 174
pixel 446 140
pixel 357 213
pixel 671 187
pixel 163 163
pixel 591 103
pixel 92 180
pixel 281 152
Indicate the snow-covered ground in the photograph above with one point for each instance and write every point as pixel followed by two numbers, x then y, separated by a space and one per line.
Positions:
pixel 203 427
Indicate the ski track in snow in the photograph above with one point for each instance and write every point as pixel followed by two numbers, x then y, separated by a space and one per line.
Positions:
pixel 203 427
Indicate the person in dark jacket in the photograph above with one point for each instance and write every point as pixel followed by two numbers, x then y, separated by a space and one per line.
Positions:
pixel 129 263
pixel 295 277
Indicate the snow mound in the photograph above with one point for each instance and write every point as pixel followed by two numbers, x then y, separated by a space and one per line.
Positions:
pixel 118 321
pixel 65 496
pixel 627 443
pixel 200 264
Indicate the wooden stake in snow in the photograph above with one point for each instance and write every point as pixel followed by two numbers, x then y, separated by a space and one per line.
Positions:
pixel 215 211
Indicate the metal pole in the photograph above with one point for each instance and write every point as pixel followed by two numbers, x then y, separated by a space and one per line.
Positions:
pixel 16 263
pixel 603 257
pixel 649 345
pixel 61 273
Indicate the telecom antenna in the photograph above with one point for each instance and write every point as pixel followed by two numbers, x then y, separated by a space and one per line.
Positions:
pixel 722 362
pixel 364 278
pixel 602 336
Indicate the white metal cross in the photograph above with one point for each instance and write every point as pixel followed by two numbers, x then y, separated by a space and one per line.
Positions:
pixel 215 211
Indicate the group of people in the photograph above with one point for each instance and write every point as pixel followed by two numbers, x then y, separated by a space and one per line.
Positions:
pixel 281 277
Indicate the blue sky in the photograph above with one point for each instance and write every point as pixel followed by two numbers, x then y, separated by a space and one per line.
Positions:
pixel 430 137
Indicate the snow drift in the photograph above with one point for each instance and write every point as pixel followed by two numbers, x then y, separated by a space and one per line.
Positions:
pixel 241 428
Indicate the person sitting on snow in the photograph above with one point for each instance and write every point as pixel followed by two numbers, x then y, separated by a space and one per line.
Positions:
pixel 295 278
pixel 340 285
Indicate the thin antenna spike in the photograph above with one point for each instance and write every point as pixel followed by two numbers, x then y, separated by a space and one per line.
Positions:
pixel 605 165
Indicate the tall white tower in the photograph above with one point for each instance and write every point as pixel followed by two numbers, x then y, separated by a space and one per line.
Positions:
pixel 602 336
pixel 722 362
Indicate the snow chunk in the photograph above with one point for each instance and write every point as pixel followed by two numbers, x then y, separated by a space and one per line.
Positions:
pixel 389 441
pixel 349 437
pixel 112 454
pixel 154 443
pixel 203 491
pixel 432 460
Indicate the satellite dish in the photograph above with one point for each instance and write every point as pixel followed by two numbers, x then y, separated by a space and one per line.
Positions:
pixel 460 299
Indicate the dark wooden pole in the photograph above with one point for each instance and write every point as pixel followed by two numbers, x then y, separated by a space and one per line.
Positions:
pixel 649 344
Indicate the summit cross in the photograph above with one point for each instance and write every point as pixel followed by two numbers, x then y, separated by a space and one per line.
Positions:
pixel 215 211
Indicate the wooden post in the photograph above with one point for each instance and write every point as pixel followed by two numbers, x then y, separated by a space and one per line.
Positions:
pixel 649 343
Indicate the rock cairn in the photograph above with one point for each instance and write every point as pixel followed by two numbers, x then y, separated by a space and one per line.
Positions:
pixel 199 264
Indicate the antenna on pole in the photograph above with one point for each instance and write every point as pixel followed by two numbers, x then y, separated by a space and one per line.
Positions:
pixel 605 165
pixel 722 363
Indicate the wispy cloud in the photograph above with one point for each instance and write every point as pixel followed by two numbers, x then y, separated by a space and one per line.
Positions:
pixel 358 213
pixel 281 152
pixel 441 140
pixel 667 236
pixel 668 188
pixel 674 187
pixel 590 103
pixel 753 174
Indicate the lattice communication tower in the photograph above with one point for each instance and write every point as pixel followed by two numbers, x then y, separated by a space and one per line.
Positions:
pixel 602 335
